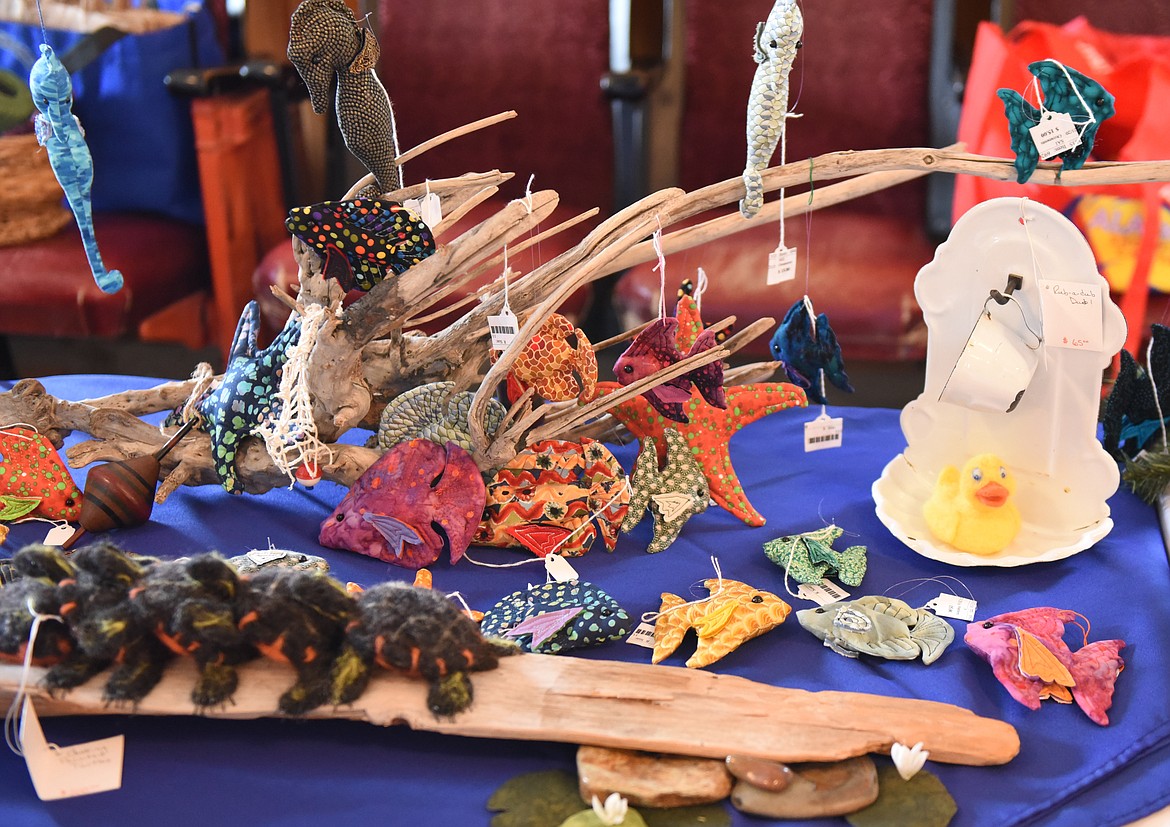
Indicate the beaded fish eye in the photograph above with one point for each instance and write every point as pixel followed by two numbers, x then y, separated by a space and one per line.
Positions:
pixel 627 369
pixel 987 624
pixel 799 43
pixel 605 611
pixel 340 518
pixel 759 598
pixel 819 610
pixel 773 44
pixel 977 474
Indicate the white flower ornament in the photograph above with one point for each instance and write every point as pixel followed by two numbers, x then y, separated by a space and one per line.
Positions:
pixel 908 760
pixel 613 811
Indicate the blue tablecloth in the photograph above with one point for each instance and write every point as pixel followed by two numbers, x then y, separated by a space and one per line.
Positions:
pixel 289 772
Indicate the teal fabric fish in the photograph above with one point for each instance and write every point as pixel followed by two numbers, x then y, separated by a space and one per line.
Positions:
pixel 1065 90
pixel 556 617
pixel 673 494
pixel 880 626
pixel 809 557
pixel 806 348
pixel 431 412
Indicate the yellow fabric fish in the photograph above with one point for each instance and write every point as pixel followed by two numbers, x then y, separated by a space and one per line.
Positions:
pixel 734 613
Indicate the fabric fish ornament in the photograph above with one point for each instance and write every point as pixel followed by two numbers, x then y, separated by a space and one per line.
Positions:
pixel 431 412
pixel 556 496
pixel 880 626
pixel 362 240
pixel 34 481
pixel 558 363
pixel 1029 657
pixel 1064 90
pixel 777 40
pixel 416 500
pixel 810 557
pixel 806 347
pixel 654 349
pixel 60 133
pixel 673 494
pixel 556 617
pixel 734 613
pixel 1131 418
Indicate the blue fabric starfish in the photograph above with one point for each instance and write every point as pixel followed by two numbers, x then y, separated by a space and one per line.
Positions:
pixel 246 397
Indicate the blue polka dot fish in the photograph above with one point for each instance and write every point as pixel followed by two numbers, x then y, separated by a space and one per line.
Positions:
pixel 556 617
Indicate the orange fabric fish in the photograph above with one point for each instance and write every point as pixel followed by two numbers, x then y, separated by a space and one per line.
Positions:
pixel 556 368
pixel 734 613
pixel 31 467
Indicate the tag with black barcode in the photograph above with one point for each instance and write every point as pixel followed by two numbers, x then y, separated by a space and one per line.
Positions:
pixel 822 593
pixel 951 605
pixel 823 432
pixel 503 328
pixel 781 265
pixel 642 636
pixel 1055 134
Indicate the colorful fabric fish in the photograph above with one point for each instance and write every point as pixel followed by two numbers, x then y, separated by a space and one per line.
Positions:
pixel 775 45
pixel 1131 418
pixel 806 347
pixel 31 469
pixel 810 557
pixel 1065 90
pixel 362 240
pixel 247 395
pixel 558 363
pixel 880 626
pixel 734 613
pixel 556 617
pixel 416 500
pixel 431 412
pixel 1029 657
pixel 556 496
pixel 655 349
pixel 674 493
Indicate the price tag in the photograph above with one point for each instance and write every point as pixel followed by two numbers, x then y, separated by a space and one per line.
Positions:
pixel 951 605
pixel 822 593
pixel 823 432
pixel 642 636
pixel 503 328
pixel 261 556
pixel 58 534
pixel 429 208
pixel 1055 134
pixel 1072 314
pixel 68 772
pixel 558 568
pixel 781 265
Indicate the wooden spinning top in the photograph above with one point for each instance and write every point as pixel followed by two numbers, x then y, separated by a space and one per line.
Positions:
pixel 120 494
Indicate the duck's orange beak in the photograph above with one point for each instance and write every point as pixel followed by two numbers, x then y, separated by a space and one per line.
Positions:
pixel 992 494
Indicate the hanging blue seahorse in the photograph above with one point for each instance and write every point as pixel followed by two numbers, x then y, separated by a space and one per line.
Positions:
pixel 60 133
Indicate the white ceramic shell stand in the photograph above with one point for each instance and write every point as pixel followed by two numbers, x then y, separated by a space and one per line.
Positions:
pixel 1049 440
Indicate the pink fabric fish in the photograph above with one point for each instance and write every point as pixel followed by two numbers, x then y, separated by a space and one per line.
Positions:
pixel 415 500
pixel 656 348
pixel 1028 655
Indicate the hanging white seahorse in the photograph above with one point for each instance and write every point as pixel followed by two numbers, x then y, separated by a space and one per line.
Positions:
pixel 775 49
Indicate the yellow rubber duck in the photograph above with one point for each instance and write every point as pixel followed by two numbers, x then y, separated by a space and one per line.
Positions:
pixel 972 510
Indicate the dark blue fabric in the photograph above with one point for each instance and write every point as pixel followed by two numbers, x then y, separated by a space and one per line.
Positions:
pixel 1070 771
pixel 139 134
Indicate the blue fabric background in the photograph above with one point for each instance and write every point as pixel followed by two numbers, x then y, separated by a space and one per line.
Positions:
pixel 192 771
pixel 140 134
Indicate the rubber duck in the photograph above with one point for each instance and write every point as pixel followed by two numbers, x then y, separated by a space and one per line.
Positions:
pixel 972 509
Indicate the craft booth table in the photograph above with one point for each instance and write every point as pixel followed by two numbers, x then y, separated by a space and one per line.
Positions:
pixel 1069 771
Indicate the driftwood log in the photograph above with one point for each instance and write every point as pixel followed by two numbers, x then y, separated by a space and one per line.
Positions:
pixel 367 353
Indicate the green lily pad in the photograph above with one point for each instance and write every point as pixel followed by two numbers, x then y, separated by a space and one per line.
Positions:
pixel 922 801
pixel 588 818
pixel 535 799
pixel 13 508
pixel 700 815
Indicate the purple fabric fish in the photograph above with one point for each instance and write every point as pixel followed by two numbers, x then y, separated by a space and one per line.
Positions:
pixel 415 500
pixel 1028 655
pixel 656 348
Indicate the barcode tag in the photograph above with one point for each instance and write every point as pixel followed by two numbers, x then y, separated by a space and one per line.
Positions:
pixel 58 534
pixel 68 772
pixel 822 593
pixel 823 432
pixel 642 636
pixel 781 265
pixel 951 605
pixel 1055 134
pixel 503 328
pixel 558 568
pixel 429 208
pixel 261 556
pixel 1072 314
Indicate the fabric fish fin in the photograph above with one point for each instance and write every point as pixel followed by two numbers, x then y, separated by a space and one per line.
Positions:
pixel 1037 661
pixel 669 628
pixel 544 625
pixel 1056 692
pixel 714 620
pixel 539 539
pixel 671 410
pixel 337 267
pixel 933 635
pixel 397 533
pixel 1096 668
pixel 818 552
pixel 708 378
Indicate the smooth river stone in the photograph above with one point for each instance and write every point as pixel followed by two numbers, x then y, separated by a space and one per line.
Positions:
pixel 767 775
pixel 830 789
pixel 651 780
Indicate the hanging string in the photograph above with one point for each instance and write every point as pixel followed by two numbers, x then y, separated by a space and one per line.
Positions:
pixel 660 267
pixel 783 156
pixel 1154 387
pixel 10 430
pixel 808 216
pixel 1082 125
pixel 15 709
pixel 700 289
pixel 41 17
pixel 649 617
pixel 459 598
pixel 917 582
pixel 202 376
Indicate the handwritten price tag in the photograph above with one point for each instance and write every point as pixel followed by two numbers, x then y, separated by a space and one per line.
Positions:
pixel 781 265
pixel 1055 134
pixel 1073 315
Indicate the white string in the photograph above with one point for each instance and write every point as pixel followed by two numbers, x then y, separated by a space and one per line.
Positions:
pixel 1157 402
pixel 12 718
pixel 459 597
pixel 1036 272
pixel 506 308
pixel 1082 124
pixel 660 267
pixel 700 289
pixel 824 396
pixel 528 193
pixel 8 429
pixel 783 156
pixel 203 376
pixel 648 617
pixel 525 562
pixel 919 581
